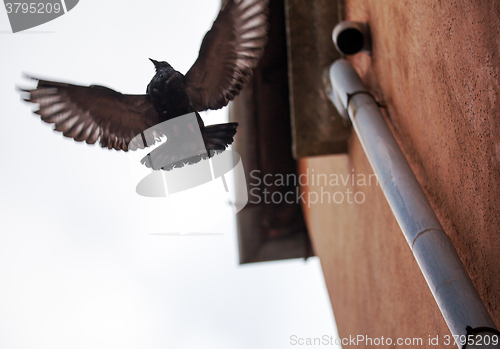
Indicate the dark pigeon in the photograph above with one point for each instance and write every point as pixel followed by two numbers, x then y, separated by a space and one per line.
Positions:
pixel 228 54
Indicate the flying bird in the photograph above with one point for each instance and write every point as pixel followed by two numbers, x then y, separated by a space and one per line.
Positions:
pixel 230 51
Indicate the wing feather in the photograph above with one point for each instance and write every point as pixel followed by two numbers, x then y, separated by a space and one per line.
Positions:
pixel 91 113
pixel 228 54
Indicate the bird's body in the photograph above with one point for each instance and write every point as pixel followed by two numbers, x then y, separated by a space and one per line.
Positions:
pixel 167 92
pixel 228 54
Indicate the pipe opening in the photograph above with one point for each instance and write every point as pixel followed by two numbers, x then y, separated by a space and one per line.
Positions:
pixel 350 41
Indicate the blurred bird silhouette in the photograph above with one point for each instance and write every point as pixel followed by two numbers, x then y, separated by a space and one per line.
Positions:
pixel 230 51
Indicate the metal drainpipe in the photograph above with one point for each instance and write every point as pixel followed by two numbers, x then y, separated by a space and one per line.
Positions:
pixel 456 296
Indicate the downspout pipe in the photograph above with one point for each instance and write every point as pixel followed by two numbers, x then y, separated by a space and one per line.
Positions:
pixel 462 308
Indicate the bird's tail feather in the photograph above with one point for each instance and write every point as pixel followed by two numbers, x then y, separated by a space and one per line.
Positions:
pixel 218 137
pixel 172 154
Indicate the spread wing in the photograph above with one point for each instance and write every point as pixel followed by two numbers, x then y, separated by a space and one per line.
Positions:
pixel 228 54
pixel 91 113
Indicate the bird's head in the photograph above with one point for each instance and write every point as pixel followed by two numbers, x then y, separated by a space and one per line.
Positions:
pixel 160 65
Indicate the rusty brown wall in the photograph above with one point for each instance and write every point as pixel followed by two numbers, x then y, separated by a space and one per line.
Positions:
pixel 436 65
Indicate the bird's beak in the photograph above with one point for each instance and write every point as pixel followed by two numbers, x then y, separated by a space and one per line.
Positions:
pixel 154 62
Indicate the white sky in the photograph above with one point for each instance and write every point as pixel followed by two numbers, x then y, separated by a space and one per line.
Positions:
pixel 78 266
